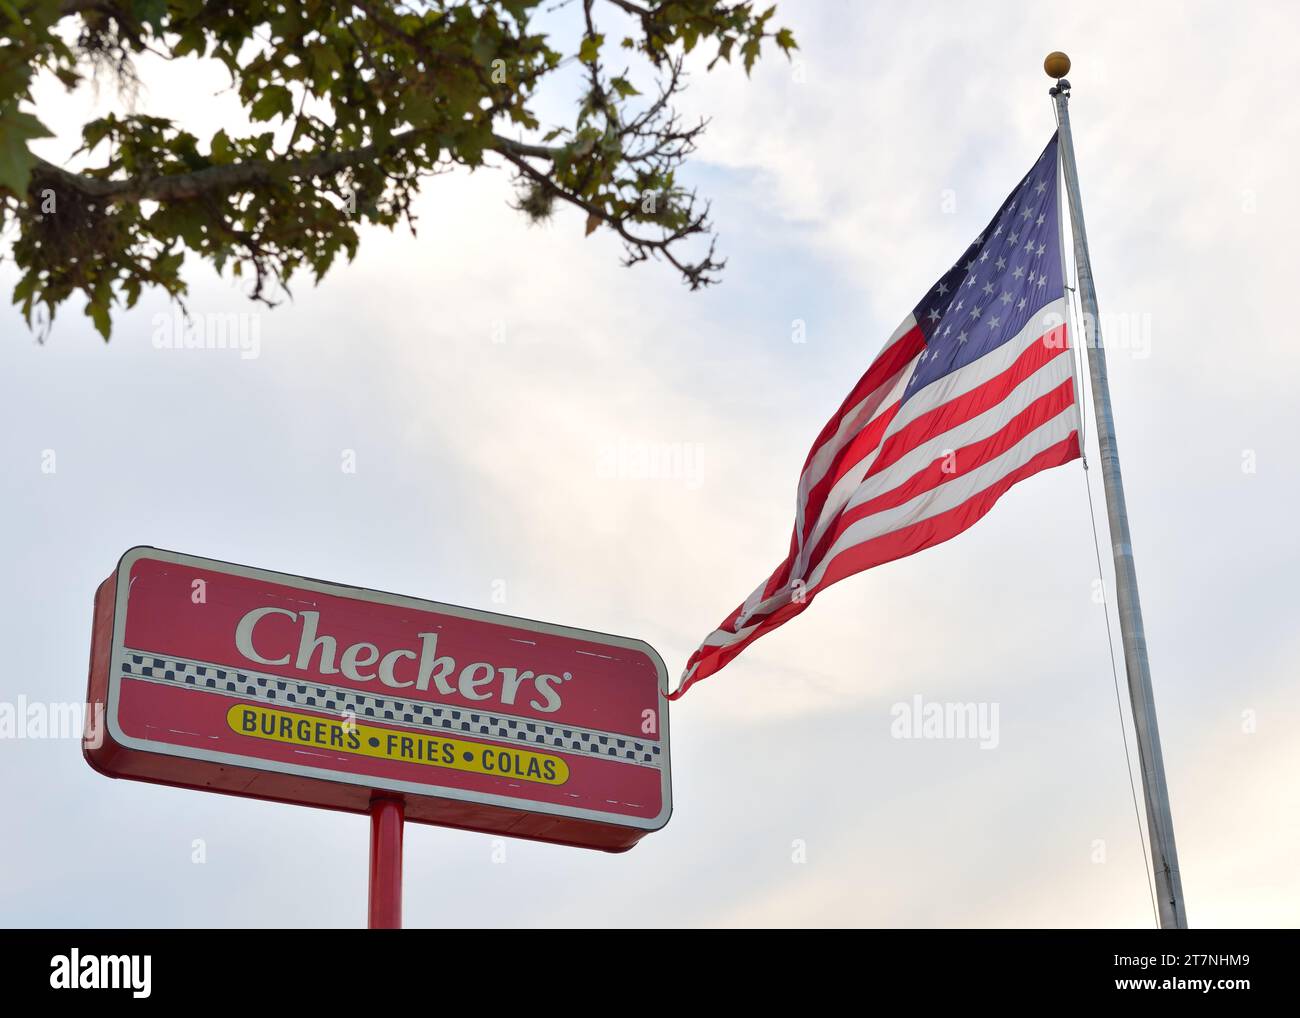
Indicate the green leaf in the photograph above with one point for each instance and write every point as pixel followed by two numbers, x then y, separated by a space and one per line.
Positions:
pixel 221 149
pixel 97 310
pixel 16 160
pixel 150 12
pixel 275 99
pixel 623 87
pixel 589 51
pixel 96 131
pixel 190 41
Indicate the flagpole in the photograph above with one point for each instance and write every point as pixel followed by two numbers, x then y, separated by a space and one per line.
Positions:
pixel 1160 824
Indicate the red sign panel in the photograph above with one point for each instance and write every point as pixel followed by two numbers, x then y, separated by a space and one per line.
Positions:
pixel 240 680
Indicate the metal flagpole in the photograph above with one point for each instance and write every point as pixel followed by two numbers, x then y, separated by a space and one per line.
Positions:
pixel 1160 824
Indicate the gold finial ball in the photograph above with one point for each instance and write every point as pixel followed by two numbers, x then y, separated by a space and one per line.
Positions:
pixel 1057 65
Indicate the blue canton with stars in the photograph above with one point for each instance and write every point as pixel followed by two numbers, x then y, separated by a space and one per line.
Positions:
pixel 1005 277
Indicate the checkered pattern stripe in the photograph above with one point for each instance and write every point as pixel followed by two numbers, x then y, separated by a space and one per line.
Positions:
pixel 264 688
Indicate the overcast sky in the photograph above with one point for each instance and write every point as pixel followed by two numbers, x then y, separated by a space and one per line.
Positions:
pixel 496 381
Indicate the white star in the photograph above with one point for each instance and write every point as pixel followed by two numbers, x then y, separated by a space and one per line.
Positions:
pixel 1018 272
pixel 993 323
pixel 1011 207
pixel 984 256
pixel 1041 187
pixel 1005 298
pixel 924 355
pixel 947 331
pixel 1041 249
pixel 961 337
pixel 1039 221
pixel 942 288
pixel 1020 305
pixel 1001 263
pixel 1029 246
pixel 934 315
pixel 974 312
pixel 998 231
pixel 969 264
pixel 1027 214
pixel 1042 280
pixel 988 288
pixel 970 281
pixel 1014 238
pixel 961 304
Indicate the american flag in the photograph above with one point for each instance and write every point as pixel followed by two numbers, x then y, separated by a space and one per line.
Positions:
pixel 974 392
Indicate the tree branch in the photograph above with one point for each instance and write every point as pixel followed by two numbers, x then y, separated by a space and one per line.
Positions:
pixel 70 7
pixel 639 248
pixel 179 186
pixel 234 176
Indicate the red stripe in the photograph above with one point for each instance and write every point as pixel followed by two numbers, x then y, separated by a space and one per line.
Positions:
pixel 889 362
pixel 888 547
pixel 945 525
pixel 883 372
pixel 857 449
pixel 970 404
pixel 964 460
pixel 968 458
pixel 854 451
pixel 933 422
pixel 712 659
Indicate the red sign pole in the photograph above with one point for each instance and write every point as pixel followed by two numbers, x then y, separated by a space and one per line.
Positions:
pixel 386 819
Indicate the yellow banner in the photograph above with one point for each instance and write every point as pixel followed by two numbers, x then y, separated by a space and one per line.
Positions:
pixel 401 747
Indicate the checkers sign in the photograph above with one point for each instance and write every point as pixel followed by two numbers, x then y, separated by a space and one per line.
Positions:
pixel 239 680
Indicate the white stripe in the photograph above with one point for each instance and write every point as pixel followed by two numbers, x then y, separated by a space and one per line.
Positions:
pixel 954 493
pixel 850 424
pixel 985 425
pixel 942 390
pixel 938 392
pixel 924 506
pixel 844 488
pixel 751 602
pixel 976 373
